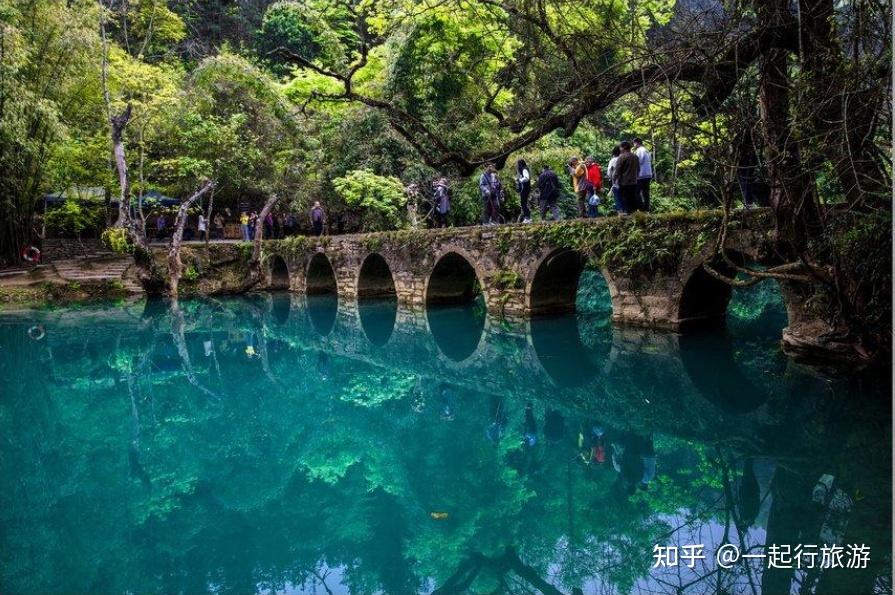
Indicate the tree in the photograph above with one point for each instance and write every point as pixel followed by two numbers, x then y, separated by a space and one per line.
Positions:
pixel 47 91
pixel 233 125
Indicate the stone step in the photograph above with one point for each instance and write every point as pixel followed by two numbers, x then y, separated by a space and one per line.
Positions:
pixel 93 278
pixel 107 272
pixel 111 267
pixel 22 271
pixel 91 263
pixel 106 261
pixel 93 255
pixel 93 270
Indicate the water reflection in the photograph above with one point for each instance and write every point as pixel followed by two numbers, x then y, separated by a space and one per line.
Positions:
pixel 377 318
pixel 457 328
pixel 557 343
pixel 280 306
pixel 710 361
pixel 258 445
pixel 322 310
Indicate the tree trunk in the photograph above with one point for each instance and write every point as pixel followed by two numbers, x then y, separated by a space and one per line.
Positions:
pixel 255 264
pixel 142 216
pixel 147 272
pixel 208 225
pixel 175 266
pixel 118 124
pixel 107 205
pixel 834 325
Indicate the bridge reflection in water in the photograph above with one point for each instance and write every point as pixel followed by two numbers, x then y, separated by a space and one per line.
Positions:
pixel 279 441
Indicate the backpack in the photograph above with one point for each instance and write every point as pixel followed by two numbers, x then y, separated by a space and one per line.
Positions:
pixel 595 175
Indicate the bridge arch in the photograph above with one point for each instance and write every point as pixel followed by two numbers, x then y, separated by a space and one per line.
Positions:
pixel 454 279
pixel 704 298
pixel 455 282
pixel 377 305
pixel 320 277
pixel 374 278
pixel 553 287
pixel 278 273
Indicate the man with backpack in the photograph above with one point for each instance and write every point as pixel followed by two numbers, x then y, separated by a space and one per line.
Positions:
pixel 442 202
pixel 318 218
pixel 548 188
pixel 490 190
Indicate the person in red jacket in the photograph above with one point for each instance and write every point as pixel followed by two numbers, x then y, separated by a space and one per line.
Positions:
pixel 595 177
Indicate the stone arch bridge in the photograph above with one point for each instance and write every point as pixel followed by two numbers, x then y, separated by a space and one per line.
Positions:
pixel 654 270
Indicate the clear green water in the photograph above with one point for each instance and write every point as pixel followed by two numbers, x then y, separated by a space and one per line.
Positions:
pixel 277 444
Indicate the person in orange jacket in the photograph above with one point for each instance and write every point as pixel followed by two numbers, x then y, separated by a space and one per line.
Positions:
pixel 578 173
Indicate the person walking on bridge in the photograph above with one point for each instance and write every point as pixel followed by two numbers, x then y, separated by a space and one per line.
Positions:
pixel 203 227
pixel 579 178
pixel 244 223
pixel 523 185
pixel 548 190
pixel 610 173
pixel 442 202
pixel 595 177
pixel 625 175
pixel 644 174
pixel 490 190
pixel 318 218
pixel 161 223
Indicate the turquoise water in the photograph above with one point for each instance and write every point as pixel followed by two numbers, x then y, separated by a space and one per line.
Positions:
pixel 281 444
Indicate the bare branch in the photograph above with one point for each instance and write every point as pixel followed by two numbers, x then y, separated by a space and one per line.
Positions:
pixel 175 266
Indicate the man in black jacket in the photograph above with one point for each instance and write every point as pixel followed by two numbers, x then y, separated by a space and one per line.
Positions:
pixel 625 177
pixel 548 187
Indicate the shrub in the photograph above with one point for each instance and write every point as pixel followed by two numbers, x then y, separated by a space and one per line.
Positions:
pixel 380 199
pixel 116 240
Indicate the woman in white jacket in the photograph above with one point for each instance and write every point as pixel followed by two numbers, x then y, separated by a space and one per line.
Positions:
pixel 523 185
